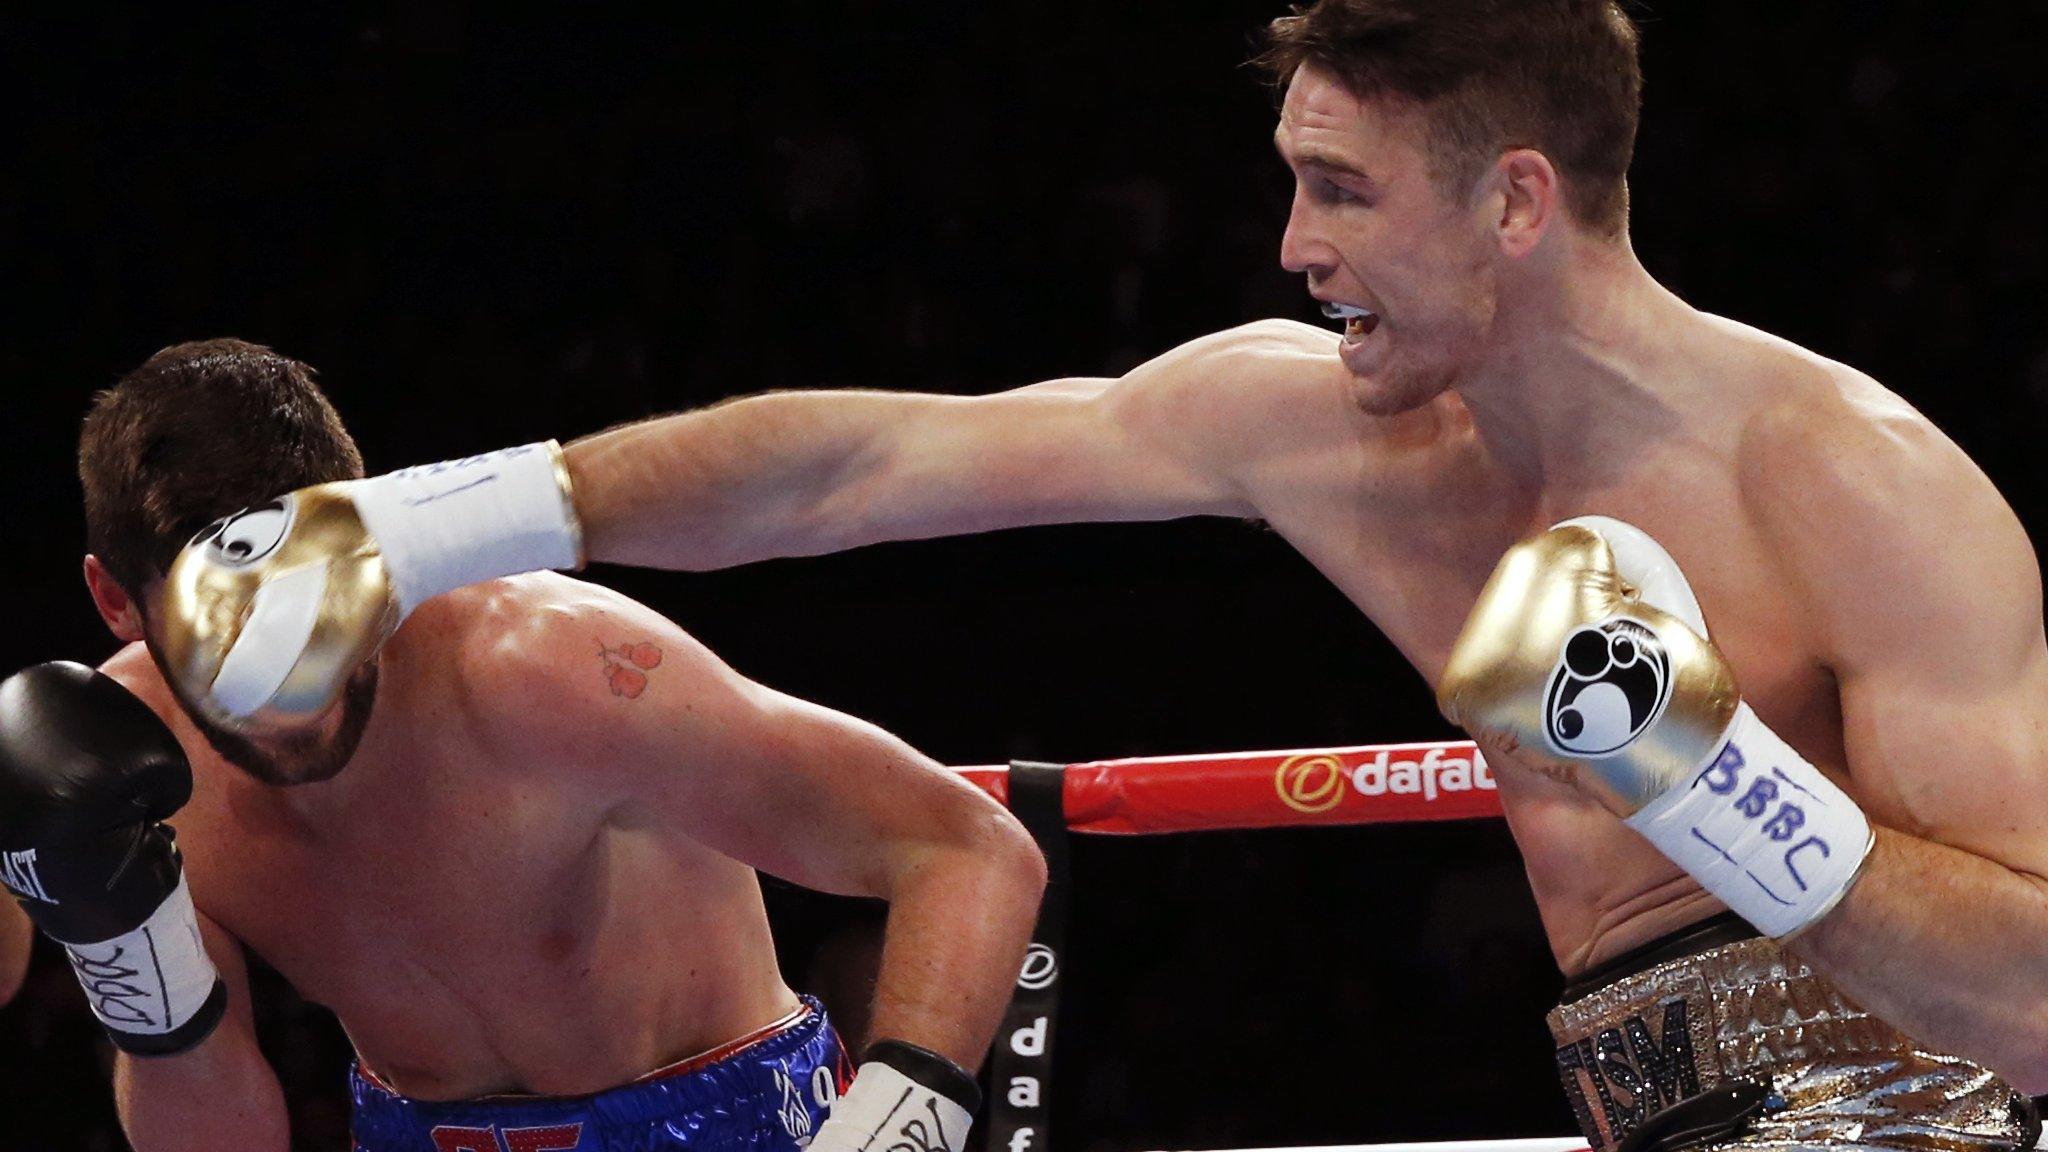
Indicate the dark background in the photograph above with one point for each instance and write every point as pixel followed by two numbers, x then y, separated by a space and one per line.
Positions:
pixel 485 228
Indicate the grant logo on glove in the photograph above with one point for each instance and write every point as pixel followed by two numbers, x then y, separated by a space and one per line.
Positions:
pixel 1610 685
pixel 248 536
pixel 1587 656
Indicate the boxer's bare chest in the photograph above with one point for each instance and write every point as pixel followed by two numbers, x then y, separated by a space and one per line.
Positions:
pixel 1414 561
pixel 404 879
pixel 433 866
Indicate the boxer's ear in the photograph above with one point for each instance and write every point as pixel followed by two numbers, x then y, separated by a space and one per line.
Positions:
pixel 1532 198
pixel 115 605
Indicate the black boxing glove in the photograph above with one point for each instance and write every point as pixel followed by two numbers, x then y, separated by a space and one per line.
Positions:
pixel 87 774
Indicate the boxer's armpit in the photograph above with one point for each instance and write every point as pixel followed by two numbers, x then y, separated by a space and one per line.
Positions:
pixel 17 936
pixel 627 664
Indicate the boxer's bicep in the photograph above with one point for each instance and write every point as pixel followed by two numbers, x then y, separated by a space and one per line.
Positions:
pixel 221 1093
pixel 1923 596
pixel 831 802
pixel 1947 736
pixel 1216 418
pixel 797 790
pixel 1062 451
pixel 1178 435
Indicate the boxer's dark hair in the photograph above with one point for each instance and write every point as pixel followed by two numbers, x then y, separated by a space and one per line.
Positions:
pixel 1559 76
pixel 198 431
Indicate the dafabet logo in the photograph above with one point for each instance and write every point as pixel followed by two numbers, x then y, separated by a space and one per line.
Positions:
pixel 1316 782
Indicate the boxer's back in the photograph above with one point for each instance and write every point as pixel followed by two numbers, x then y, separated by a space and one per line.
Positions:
pixel 485 916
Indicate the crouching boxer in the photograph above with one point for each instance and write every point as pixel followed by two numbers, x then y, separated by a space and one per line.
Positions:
pixel 516 857
pixel 1587 658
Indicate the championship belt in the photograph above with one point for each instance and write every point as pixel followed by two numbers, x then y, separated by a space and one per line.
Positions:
pixel 1715 1035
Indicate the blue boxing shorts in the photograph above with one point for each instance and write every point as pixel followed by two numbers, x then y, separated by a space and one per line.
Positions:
pixel 766 1092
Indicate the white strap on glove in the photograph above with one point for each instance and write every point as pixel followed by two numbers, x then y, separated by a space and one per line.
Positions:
pixel 887 1111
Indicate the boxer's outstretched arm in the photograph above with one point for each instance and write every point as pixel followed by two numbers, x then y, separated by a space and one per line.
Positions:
pixel 1927 596
pixel 669 734
pixel 1227 425
pixel 802 473
pixel 219 1094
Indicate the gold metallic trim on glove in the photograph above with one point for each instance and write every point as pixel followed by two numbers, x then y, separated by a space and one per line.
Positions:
pixel 567 488
pixel 1507 658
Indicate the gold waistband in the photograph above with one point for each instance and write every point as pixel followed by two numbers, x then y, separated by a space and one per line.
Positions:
pixel 1750 1012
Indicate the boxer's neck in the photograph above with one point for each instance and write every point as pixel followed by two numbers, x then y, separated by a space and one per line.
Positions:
pixel 1584 361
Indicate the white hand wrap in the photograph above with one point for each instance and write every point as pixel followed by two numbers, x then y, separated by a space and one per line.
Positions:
pixel 1762 829
pixel 442 526
pixel 153 980
pixel 887 1110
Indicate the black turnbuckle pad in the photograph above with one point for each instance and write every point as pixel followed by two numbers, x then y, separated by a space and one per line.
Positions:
pixel 1716 1117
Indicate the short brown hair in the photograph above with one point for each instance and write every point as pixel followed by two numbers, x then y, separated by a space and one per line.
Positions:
pixel 200 430
pixel 1559 76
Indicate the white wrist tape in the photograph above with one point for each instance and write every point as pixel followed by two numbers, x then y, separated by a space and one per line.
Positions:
pixel 442 526
pixel 150 980
pixel 886 1109
pixel 1762 829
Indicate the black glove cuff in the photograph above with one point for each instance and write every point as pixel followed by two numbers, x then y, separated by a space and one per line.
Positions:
pixel 928 1068
pixel 184 1037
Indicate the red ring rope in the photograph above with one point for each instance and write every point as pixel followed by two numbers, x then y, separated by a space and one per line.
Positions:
pixel 1371 784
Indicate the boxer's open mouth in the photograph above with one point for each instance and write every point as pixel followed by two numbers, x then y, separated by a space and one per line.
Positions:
pixel 1358 322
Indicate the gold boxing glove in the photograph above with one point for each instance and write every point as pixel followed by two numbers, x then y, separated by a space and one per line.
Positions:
pixel 1587 657
pixel 266 614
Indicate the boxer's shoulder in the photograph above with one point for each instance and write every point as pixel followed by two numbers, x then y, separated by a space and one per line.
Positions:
pixel 1232 406
pixel 1271 392
pixel 1824 440
pixel 132 668
pixel 1807 428
pixel 541 651
pixel 1271 339
pixel 1864 501
pixel 1264 363
pixel 1784 395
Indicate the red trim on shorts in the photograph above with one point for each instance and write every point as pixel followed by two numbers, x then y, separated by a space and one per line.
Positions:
pixel 703 1060
pixel 685 1066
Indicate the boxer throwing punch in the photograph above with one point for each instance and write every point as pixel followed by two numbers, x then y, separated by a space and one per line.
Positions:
pixel 1799 595
pixel 516 858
